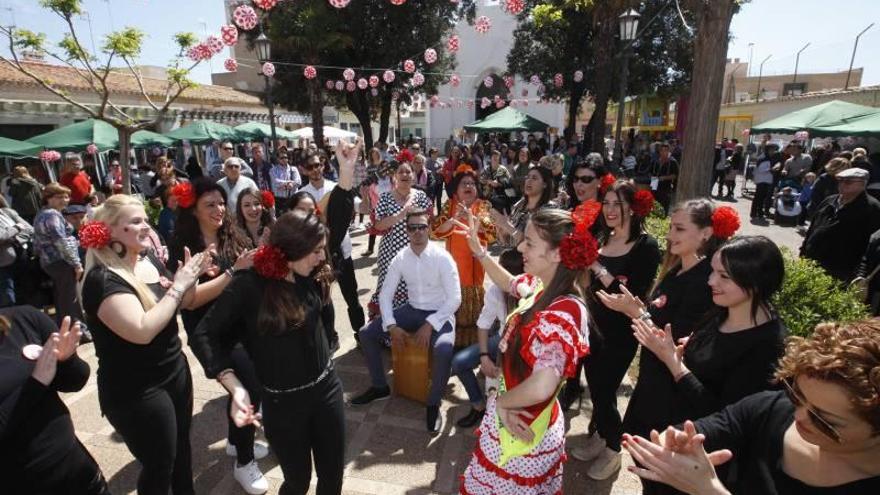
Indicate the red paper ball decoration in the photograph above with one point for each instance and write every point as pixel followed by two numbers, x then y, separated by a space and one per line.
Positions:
pixel 339 4
pixel 214 44
pixel 388 76
pixel 229 34
pixel 328 84
pixel 340 85
pixel 557 80
pixel 362 83
pixel 454 80
pixel 310 72
pixel 452 44
pixel 374 81
pixel 430 55
pixel 231 65
pixel 268 69
pixel 483 24
pixel 265 4
pixel 350 86
pixel 348 74
pixel 245 17
pixel 578 76
pixel 514 6
pixel 418 79
pixel 409 66
pixel 488 81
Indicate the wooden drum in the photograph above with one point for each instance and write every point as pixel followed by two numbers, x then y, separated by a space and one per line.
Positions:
pixel 412 371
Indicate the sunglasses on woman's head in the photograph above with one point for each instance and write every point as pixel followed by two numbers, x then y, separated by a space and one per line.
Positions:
pixel 586 179
pixel 798 401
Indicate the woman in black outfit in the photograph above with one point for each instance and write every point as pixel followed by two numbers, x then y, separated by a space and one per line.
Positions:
pixel 144 383
pixel 734 353
pixel 39 452
pixel 819 436
pixel 628 257
pixel 682 297
pixel 286 338
pixel 202 220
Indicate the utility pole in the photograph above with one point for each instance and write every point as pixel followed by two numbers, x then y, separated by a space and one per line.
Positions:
pixel 797 61
pixel 761 73
pixel 751 52
pixel 851 60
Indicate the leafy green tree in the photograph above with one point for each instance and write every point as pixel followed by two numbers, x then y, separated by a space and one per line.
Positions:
pixel 119 47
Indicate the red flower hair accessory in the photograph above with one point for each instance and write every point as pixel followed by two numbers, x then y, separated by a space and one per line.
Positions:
pixel 725 222
pixel 579 249
pixel 186 196
pixel 267 198
pixel 643 203
pixel 464 168
pixel 271 262
pixel 94 235
pixel 606 182
pixel 405 156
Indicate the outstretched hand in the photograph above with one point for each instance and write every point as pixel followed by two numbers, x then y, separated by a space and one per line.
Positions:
pixel 470 228
pixel 347 155
pixel 625 302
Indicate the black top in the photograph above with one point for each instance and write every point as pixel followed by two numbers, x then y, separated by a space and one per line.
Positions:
pixel 636 270
pixel 287 360
pixel 659 169
pixel 831 225
pixel 126 369
pixel 754 429
pixel 36 433
pixel 681 300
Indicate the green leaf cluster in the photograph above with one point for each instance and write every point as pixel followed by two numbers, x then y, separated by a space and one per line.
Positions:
pixel 64 8
pixel 126 43
pixel 25 39
pixel 185 39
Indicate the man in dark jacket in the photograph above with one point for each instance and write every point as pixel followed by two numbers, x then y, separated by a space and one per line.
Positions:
pixel 842 225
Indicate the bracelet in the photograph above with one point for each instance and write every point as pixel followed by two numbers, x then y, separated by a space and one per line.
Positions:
pixel 175 293
pixel 645 316
pixel 230 272
pixel 602 273
pixel 223 373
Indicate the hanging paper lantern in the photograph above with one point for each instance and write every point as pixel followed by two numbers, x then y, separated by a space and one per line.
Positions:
pixel 430 55
pixel 310 72
pixel 265 4
pixel 362 83
pixel 339 4
pixel 578 76
pixel 452 44
pixel 268 69
pixel 535 80
pixel 508 81
pixel 557 80
pixel 388 76
pixel 454 80
pixel 488 81
pixel 514 7
pixel 245 17
pixel 525 92
pixel 374 81
pixel 231 65
pixel 483 24
pixel 348 74
pixel 340 85
pixel 374 92
pixel 328 84
pixel 229 34
pixel 418 79
pixel 214 44
pixel 350 86
pixel 92 149
pixel 199 52
pixel 484 103
pixel 409 66
pixel 50 156
pixel 398 2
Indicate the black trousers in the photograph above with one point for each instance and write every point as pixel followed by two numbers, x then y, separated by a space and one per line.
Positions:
pixel 718 177
pixel 64 291
pixel 306 424
pixel 243 438
pixel 349 287
pixel 155 428
pixel 759 202
pixel 76 473
pixel 605 368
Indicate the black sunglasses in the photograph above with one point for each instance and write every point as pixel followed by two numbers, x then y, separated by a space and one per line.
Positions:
pixel 798 401
pixel 416 227
pixel 229 149
pixel 586 179
pixel 312 166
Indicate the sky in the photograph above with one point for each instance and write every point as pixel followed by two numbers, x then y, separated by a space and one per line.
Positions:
pixel 776 27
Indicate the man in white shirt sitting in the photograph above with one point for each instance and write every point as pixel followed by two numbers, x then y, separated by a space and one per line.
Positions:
pixel 432 283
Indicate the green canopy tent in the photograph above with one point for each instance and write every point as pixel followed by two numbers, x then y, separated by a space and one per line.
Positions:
pixel 203 132
pixel 256 131
pixel 146 139
pixel 817 120
pixel 18 149
pixel 507 120
pixel 862 126
pixel 76 137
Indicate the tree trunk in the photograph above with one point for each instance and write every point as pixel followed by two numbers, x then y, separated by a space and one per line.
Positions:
pixel 317 110
pixel 604 27
pixel 574 106
pixel 710 53
pixel 124 157
pixel 360 107
pixel 384 117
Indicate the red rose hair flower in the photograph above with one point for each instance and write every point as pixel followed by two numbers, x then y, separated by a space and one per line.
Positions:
pixel 271 262
pixel 267 198
pixel 186 196
pixel 405 156
pixel 94 235
pixel 606 182
pixel 643 203
pixel 725 222
pixel 579 249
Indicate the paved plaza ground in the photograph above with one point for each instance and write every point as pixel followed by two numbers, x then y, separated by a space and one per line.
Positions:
pixel 389 451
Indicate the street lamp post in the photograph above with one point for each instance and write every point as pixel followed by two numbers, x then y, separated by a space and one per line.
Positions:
pixel 797 61
pixel 264 54
pixel 853 59
pixel 629 24
pixel 751 52
pixel 761 73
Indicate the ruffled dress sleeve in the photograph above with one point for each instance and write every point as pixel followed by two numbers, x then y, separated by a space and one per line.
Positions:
pixel 557 337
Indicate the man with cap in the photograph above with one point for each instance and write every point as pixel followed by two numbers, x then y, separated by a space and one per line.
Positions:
pixel 842 225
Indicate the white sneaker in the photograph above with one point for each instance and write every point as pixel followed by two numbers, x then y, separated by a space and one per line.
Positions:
pixel 595 445
pixel 260 450
pixel 250 478
pixel 605 465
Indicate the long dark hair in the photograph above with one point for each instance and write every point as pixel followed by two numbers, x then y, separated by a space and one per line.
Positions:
pixel 626 193
pixel 552 226
pixel 296 234
pixel 231 242
pixel 265 217
pixel 593 162
pixel 755 264
pixel 299 196
pixel 548 192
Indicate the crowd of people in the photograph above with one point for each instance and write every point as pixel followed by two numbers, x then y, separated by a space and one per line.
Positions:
pixel 543 276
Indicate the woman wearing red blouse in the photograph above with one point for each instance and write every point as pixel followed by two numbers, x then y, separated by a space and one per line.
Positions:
pixel 73 178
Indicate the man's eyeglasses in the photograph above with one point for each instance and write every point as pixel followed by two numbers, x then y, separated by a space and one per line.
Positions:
pixel 413 228
pixel 585 179
pixel 798 401
pixel 229 148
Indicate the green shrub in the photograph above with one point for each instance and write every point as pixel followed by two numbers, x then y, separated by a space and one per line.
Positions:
pixel 810 296
pixel 657 224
